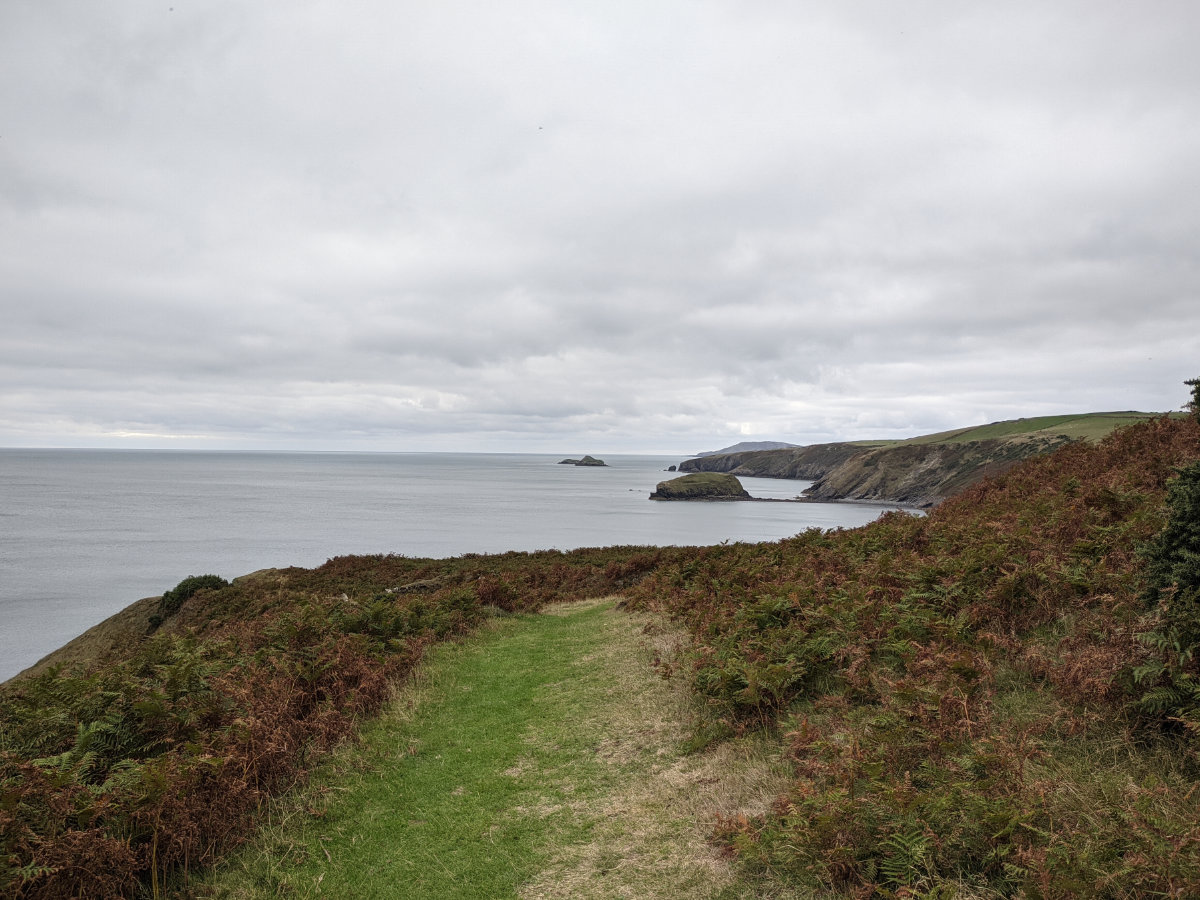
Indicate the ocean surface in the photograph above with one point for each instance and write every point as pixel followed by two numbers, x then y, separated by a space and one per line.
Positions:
pixel 83 533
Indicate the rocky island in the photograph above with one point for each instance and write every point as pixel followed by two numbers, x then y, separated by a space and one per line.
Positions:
pixel 701 486
pixel 586 461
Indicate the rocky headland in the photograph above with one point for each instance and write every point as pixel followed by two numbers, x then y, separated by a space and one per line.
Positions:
pixel 921 471
pixel 911 474
pixel 923 475
pixel 806 463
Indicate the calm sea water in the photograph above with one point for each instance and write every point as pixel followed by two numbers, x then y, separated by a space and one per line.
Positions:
pixel 83 533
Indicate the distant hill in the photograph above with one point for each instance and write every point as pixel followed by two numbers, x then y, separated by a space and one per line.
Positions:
pixel 745 446
pixel 920 471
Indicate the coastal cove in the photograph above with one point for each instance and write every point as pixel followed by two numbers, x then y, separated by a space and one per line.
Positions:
pixel 83 533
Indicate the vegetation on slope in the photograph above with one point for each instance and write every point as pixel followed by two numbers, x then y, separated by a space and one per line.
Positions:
pixel 112 778
pixel 1091 427
pixel 982 702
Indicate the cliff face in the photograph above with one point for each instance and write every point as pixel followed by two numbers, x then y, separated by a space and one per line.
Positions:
pixel 808 463
pixel 924 474
pixel 913 474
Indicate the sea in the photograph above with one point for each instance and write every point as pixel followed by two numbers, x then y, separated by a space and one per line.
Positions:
pixel 84 533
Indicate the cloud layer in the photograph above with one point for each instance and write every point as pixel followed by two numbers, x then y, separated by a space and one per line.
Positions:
pixel 536 226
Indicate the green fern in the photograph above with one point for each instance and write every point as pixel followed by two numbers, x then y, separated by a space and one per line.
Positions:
pixel 1172 689
pixel 906 855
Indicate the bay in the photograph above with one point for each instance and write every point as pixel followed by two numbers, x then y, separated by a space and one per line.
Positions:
pixel 83 533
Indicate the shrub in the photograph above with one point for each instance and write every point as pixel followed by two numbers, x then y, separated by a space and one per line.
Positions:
pixel 189 587
pixel 1173 592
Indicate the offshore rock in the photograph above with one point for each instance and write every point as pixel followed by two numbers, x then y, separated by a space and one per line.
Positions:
pixel 586 461
pixel 701 486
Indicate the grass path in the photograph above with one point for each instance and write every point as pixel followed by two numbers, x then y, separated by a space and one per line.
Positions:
pixel 539 759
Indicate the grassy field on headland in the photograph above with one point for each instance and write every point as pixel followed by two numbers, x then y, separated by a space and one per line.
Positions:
pixel 1090 427
pixel 999 699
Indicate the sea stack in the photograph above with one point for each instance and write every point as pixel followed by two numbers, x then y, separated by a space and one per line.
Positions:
pixel 701 486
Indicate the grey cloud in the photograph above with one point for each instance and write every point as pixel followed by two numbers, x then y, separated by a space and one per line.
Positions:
pixel 454 225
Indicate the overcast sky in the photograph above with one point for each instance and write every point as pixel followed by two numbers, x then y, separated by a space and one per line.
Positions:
pixel 590 226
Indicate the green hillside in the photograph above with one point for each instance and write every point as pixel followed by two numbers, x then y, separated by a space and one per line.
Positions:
pixel 1081 426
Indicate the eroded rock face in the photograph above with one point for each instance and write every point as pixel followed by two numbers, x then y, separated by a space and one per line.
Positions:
pixel 920 475
pixel 701 486
pixel 807 463
pixel 923 475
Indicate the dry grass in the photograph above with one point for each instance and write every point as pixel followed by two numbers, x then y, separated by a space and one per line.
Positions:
pixel 649 837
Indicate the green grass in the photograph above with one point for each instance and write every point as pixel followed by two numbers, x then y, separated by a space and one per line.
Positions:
pixel 541 759
pixel 1087 426
pixel 440 810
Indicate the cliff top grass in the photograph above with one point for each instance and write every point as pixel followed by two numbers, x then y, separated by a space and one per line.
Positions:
pixel 1090 427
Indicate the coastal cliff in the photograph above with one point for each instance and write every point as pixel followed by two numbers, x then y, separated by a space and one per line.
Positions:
pixel 920 475
pixel 922 471
pixel 807 463
pixel 923 475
